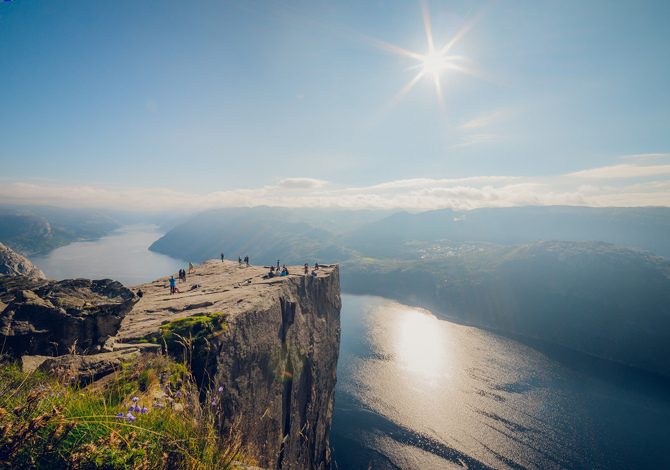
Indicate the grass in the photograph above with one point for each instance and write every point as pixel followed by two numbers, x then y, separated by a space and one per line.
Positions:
pixel 52 422
pixel 194 330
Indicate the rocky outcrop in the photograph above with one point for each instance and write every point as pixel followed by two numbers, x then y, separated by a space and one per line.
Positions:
pixel 83 368
pixel 55 317
pixel 14 264
pixel 267 348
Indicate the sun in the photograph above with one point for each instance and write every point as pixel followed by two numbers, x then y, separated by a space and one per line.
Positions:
pixel 434 63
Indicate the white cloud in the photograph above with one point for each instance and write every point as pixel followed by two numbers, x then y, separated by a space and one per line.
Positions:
pixel 627 184
pixel 301 183
pixel 481 128
pixel 483 120
pixel 624 170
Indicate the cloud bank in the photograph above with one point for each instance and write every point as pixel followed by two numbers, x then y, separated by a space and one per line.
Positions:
pixel 640 181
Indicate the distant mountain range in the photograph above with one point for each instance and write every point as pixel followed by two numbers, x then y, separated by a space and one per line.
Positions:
pixel 38 229
pixel 596 280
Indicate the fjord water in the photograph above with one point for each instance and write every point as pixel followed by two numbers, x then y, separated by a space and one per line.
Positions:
pixel 418 392
pixel 122 255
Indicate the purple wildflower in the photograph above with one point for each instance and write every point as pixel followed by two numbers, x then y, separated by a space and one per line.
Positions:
pixel 144 410
pixel 120 415
pixel 131 408
pixel 220 388
pixel 135 399
pixel 130 417
pixel 178 394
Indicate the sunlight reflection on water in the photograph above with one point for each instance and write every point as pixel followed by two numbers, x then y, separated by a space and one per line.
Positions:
pixel 415 391
pixel 420 344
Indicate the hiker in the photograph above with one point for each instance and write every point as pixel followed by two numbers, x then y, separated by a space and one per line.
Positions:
pixel 140 293
pixel 173 285
pixel 239 261
pixel 222 256
pixel 277 265
pixel 284 271
pixel 314 273
pixel 191 268
pixel 316 265
pixel 306 269
pixel 272 269
pixel 246 260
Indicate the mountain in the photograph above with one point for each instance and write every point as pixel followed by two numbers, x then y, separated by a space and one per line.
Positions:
pixel 644 228
pixel 39 229
pixel 264 233
pixel 14 264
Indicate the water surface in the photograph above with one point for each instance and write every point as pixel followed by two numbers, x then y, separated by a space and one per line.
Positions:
pixel 418 392
pixel 123 256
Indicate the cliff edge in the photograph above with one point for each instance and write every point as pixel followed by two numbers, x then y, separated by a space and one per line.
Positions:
pixel 269 347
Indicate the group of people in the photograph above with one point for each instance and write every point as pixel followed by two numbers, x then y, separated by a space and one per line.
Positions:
pixel 274 272
pixel 182 278
pixel 277 272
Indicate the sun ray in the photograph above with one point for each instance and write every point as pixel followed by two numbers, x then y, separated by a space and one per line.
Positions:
pixel 408 86
pixel 392 48
pixel 438 91
pixel 427 26
pixel 461 33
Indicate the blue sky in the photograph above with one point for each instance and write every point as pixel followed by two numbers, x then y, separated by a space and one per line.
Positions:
pixel 209 103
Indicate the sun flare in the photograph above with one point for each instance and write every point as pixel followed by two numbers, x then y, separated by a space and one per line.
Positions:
pixel 433 64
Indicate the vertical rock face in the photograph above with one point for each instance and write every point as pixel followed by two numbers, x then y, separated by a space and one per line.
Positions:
pixel 277 366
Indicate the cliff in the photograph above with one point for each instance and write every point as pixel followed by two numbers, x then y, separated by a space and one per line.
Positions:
pixel 270 345
pixel 14 264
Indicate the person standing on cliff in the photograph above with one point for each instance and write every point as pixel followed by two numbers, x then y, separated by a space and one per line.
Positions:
pixel 173 284
pixel 277 265
pixel 222 256
pixel 190 267
pixel 239 260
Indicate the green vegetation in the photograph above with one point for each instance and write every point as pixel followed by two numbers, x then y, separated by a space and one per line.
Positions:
pixel 146 415
pixel 186 333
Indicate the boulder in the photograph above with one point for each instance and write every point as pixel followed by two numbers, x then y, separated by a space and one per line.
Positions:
pixel 57 317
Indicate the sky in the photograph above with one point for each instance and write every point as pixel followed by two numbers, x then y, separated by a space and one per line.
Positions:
pixel 173 104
